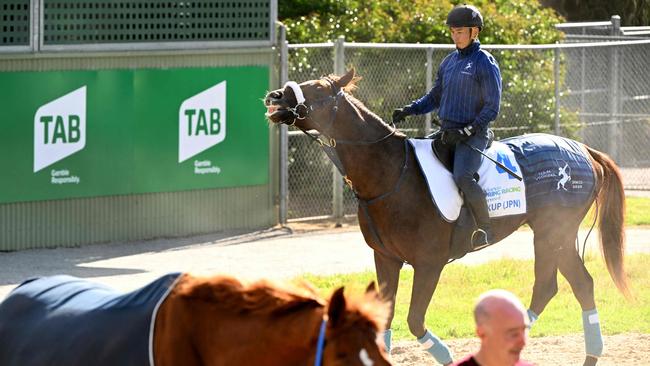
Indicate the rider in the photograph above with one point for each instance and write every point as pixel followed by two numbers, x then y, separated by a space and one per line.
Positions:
pixel 467 94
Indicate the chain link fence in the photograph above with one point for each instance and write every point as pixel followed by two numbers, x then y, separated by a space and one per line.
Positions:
pixel 597 93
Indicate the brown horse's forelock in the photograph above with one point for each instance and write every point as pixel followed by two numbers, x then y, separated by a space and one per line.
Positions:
pixel 366 313
pixel 352 85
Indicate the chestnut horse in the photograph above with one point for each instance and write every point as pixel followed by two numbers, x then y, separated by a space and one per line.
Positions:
pixel 184 320
pixel 401 224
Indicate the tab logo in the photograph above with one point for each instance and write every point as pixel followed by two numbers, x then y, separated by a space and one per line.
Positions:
pixel 202 121
pixel 60 128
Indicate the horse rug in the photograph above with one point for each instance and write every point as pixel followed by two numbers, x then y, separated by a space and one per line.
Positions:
pixel 555 170
pixel 64 320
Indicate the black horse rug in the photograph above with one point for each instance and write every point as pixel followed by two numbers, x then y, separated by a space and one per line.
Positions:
pixel 66 321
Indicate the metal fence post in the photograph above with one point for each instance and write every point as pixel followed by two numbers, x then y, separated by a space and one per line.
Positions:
pixel 35 34
pixel 556 77
pixel 427 118
pixel 614 97
pixel 337 179
pixel 284 130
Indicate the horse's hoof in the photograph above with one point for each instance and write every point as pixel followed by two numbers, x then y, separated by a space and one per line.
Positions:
pixel 590 361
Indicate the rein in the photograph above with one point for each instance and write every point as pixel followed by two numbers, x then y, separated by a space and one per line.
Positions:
pixel 301 111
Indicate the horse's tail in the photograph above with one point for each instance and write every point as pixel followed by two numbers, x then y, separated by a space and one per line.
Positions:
pixel 611 218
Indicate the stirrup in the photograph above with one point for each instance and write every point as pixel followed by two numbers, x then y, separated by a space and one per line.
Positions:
pixel 480 239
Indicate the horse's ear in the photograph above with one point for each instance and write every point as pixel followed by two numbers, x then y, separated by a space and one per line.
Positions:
pixel 336 308
pixel 346 79
pixel 371 289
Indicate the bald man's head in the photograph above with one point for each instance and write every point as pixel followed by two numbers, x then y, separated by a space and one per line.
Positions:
pixel 502 326
pixel 499 302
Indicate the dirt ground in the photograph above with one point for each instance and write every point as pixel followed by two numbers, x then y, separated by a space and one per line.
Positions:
pixel 622 349
pixel 315 247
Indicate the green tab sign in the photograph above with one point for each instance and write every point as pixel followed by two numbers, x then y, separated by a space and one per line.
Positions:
pixel 107 132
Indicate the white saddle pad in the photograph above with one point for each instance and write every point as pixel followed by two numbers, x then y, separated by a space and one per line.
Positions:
pixel 505 194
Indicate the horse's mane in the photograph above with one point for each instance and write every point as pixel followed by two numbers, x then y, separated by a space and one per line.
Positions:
pixel 260 297
pixel 351 87
pixel 265 297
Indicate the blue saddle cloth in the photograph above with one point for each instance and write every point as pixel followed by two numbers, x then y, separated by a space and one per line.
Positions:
pixel 556 170
pixel 63 320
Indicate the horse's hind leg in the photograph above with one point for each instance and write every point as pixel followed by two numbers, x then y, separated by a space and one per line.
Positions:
pixel 388 269
pixel 545 287
pixel 582 284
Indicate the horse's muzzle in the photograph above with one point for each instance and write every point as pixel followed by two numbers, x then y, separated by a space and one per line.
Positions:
pixel 277 109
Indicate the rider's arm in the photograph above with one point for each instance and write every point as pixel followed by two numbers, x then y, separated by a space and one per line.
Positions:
pixel 490 78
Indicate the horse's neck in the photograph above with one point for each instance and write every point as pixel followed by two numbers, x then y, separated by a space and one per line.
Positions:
pixel 373 169
pixel 253 339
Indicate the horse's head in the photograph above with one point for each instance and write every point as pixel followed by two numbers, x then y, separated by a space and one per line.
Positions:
pixel 352 333
pixel 309 105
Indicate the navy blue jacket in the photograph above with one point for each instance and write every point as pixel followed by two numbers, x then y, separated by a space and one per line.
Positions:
pixel 467 89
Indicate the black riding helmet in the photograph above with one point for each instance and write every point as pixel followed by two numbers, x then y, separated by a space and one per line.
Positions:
pixel 465 16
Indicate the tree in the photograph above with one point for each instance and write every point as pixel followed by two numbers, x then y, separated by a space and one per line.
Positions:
pixel 632 12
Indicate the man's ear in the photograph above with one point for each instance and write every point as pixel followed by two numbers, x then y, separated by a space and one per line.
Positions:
pixel 480 331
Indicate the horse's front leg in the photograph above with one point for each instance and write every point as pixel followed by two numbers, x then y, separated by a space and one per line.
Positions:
pixel 425 280
pixel 388 269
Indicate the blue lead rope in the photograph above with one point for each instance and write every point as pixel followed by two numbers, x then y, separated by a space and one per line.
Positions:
pixel 321 343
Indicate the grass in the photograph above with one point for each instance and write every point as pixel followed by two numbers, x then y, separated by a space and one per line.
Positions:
pixel 637 211
pixel 450 312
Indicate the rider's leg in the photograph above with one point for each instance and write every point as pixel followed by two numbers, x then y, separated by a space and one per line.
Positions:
pixel 466 163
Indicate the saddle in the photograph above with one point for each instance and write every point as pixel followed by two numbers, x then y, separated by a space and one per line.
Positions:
pixel 445 153
pixel 461 239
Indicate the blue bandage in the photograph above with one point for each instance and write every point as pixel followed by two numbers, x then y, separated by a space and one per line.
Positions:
pixel 532 317
pixel 388 334
pixel 593 337
pixel 436 348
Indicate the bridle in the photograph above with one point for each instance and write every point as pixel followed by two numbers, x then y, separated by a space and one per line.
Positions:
pixel 301 111
pixel 320 344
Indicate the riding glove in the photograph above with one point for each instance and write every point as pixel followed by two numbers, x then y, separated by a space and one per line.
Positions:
pixel 399 114
pixel 451 137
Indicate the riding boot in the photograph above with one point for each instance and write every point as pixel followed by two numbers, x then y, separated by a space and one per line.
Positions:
pixel 475 198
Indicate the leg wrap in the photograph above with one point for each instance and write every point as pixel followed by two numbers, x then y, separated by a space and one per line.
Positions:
pixel 593 337
pixel 532 317
pixel 388 334
pixel 436 348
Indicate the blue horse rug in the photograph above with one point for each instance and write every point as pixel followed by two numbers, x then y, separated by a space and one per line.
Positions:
pixel 556 170
pixel 67 321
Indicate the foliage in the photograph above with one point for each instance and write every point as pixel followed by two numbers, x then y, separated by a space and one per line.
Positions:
pixel 416 21
pixel 632 12
pixel 449 314
pixel 528 103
